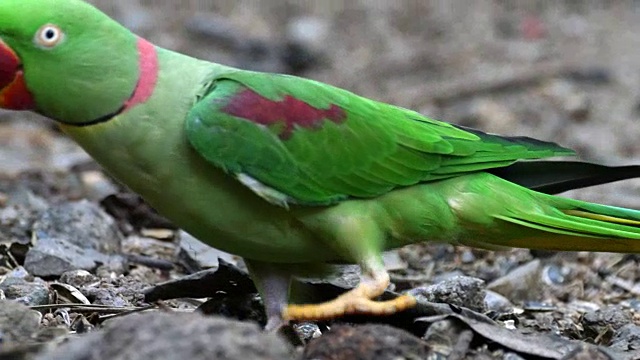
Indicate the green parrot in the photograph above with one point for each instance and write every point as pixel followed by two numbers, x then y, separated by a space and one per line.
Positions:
pixel 292 174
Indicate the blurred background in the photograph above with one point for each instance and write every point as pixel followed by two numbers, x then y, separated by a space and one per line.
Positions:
pixel 567 71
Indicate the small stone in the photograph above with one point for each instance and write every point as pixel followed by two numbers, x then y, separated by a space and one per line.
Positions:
pixel 445 336
pixel 15 225
pixel 19 273
pixel 393 261
pixel 307 331
pixel 467 257
pixel 496 302
pixel 626 338
pixel 107 296
pixel 610 317
pixel 78 278
pixel 555 275
pixel 197 255
pixel 461 291
pixel 588 352
pixel 521 283
pixel 26 292
pixel 25 198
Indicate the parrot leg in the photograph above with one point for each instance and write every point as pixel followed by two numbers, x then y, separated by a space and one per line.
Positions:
pixel 273 286
pixel 373 283
pixel 360 239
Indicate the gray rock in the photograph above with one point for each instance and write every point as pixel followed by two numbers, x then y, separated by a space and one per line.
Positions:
pixel 26 292
pixel 626 338
pixel 73 236
pixel 496 302
pixel 605 319
pixel 521 284
pixel 55 256
pixel 18 323
pixel 15 225
pixel 78 278
pixel 108 296
pixel 24 198
pixel 197 256
pixel 462 291
pixel 161 336
pixel 366 342
pixel 307 331
pixel 448 339
pixel 19 273
pixel 83 224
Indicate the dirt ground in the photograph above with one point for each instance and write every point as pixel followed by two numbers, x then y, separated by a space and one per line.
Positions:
pixel 565 71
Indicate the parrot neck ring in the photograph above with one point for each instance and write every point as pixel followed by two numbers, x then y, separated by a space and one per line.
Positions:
pixel 14 94
pixel 148 66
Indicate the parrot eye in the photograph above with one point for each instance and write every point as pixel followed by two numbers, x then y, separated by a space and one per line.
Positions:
pixel 49 36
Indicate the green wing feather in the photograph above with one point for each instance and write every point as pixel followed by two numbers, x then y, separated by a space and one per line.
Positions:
pixel 376 148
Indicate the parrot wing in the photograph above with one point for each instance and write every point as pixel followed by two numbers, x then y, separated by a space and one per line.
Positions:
pixel 298 141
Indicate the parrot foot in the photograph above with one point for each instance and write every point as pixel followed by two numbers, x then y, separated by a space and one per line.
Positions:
pixel 355 302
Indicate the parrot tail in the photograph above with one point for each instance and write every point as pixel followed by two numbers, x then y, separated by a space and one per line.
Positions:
pixel 574 225
pixel 496 214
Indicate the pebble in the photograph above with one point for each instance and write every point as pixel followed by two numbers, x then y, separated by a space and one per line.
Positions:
pixel 26 292
pixel 461 291
pixel 78 278
pixel 197 255
pixel 496 302
pixel 520 284
pixel 627 337
pixel 610 317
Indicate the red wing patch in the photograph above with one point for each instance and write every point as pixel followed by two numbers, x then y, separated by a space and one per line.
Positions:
pixel 289 111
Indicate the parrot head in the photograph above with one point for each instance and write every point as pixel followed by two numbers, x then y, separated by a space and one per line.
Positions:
pixel 65 60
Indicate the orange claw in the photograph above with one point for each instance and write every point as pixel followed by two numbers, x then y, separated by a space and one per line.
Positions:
pixel 354 302
pixel 351 303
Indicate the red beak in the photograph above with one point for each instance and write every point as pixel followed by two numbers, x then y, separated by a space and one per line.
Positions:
pixel 9 65
pixel 14 94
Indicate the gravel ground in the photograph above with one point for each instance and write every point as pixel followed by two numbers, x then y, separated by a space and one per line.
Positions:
pixel 81 254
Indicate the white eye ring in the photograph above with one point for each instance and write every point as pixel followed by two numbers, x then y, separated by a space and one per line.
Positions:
pixel 49 36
